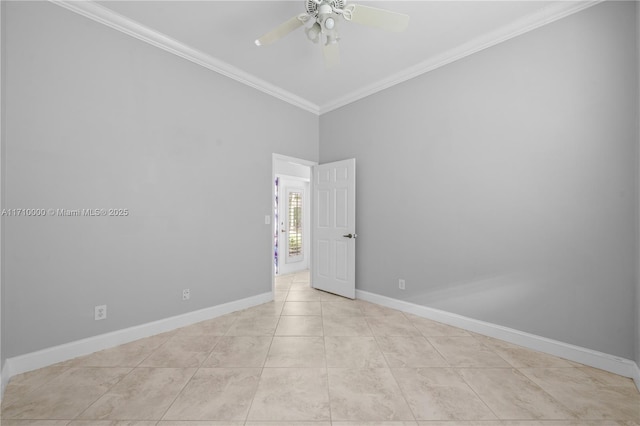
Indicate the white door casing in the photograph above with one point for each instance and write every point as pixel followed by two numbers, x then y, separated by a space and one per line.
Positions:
pixel 334 227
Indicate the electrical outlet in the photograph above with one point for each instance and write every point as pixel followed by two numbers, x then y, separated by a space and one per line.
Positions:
pixel 100 312
pixel 267 220
pixel 401 284
pixel 186 294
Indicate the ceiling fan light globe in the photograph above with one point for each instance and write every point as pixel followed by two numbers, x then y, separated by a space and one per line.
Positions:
pixel 313 32
pixel 329 23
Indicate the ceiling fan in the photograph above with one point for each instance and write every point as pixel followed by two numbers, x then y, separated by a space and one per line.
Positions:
pixel 325 14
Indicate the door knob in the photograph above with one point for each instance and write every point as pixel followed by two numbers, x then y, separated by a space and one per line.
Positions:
pixel 351 236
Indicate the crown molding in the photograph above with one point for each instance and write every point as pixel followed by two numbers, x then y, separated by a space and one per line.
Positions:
pixel 546 15
pixel 105 16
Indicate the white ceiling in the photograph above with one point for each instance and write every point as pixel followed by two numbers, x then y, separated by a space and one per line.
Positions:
pixel 371 59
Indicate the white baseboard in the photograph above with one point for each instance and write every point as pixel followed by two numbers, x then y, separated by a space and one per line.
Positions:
pixel 49 356
pixel 4 380
pixel 636 376
pixel 601 360
pixel 45 357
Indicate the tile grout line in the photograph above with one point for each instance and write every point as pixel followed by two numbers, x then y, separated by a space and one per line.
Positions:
pixel 30 391
pixel 178 394
pixel 376 338
pixel 132 369
pixel 493 351
pixel 105 392
pixel 264 362
pixel 404 397
pixel 197 369
pixel 326 365
pixel 550 396
pixel 443 357
pixel 457 373
pixel 532 382
pixel 154 350
pixel 513 367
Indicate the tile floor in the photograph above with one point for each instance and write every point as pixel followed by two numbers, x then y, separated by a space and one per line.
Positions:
pixel 314 359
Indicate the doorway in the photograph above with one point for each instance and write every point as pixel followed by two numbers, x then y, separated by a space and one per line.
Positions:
pixel 291 231
pixel 330 243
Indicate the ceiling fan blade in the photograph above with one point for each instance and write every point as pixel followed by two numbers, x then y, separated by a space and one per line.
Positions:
pixel 280 31
pixel 379 18
pixel 331 53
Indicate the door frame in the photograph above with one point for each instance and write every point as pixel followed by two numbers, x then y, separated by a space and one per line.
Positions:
pixel 275 160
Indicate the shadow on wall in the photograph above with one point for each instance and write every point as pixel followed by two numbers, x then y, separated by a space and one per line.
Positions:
pixel 514 300
pixel 502 290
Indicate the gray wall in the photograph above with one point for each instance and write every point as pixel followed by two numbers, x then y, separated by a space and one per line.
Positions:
pixel 508 178
pixel 503 186
pixel 638 181
pixel 97 119
pixel 2 128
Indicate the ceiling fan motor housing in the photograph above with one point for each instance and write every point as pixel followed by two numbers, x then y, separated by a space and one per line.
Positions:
pixel 323 15
pixel 312 5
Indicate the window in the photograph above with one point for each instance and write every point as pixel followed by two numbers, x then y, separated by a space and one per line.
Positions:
pixel 295 224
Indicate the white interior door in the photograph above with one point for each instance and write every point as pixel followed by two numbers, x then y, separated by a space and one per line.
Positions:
pixel 334 227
